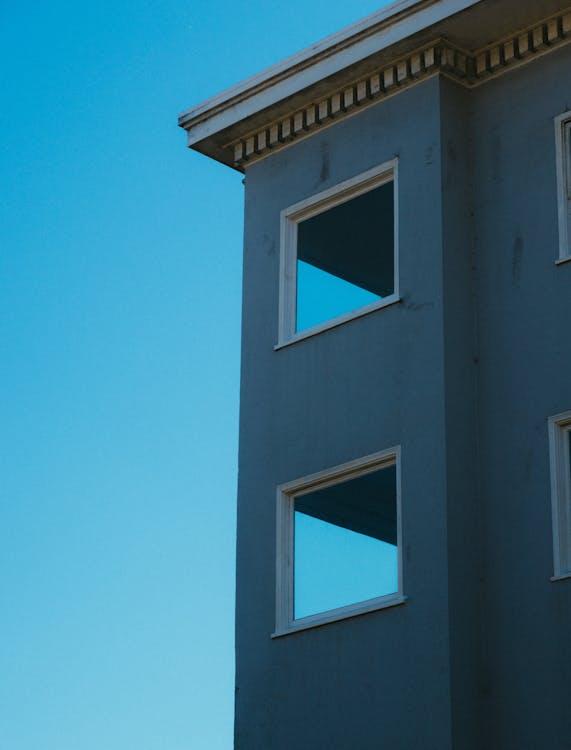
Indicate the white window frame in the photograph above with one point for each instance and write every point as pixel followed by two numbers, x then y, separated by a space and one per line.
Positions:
pixel 286 496
pixel 559 430
pixel 563 166
pixel 317 204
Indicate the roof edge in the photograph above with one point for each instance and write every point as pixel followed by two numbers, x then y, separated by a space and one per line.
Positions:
pixel 381 29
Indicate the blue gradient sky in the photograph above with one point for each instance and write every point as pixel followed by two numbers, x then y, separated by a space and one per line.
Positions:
pixel 120 261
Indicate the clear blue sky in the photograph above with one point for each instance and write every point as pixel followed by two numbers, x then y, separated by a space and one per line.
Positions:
pixel 120 261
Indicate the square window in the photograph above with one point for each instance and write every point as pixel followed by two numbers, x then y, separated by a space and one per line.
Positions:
pixel 563 151
pixel 339 543
pixel 339 254
pixel 560 450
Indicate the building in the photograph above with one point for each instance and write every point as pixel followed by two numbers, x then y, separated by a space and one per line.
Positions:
pixel 404 509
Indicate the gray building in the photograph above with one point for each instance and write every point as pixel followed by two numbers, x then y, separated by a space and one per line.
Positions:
pixel 404 508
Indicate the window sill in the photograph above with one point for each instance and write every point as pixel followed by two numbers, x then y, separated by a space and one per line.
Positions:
pixel 340 320
pixel 342 613
pixel 561 261
pixel 560 577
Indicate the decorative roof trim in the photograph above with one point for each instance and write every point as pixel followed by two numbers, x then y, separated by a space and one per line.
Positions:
pixel 376 32
pixel 470 69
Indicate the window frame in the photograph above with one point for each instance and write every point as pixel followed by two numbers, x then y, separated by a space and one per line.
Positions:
pixel 559 427
pixel 286 495
pixel 563 169
pixel 290 218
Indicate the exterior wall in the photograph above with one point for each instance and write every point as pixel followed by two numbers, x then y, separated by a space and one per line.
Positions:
pixel 463 373
pixel 524 377
pixel 368 385
pixel 460 357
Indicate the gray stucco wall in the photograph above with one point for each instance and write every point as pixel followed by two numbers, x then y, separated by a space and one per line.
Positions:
pixel 524 377
pixel 362 387
pixel 463 374
pixel 460 380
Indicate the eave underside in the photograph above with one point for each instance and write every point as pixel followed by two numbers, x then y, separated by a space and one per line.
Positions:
pixel 472 47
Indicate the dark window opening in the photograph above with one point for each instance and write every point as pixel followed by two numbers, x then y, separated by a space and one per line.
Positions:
pixel 346 257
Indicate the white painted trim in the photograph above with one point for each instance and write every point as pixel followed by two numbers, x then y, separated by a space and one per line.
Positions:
pixel 334 615
pixel 312 206
pixel 285 498
pixel 439 57
pixel 564 577
pixel 358 41
pixel 232 129
pixel 325 125
pixel 338 320
pixel 563 168
pixel 559 427
pixel 346 100
pixel 396 233
pixel 342 192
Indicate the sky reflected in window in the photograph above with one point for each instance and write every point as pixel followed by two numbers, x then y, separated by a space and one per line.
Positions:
pixel 335 567
pixel 346 257
pixel 322 296
pixel 345 542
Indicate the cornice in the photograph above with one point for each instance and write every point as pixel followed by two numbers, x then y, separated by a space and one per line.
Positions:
pixel 385 27
pixel 439 57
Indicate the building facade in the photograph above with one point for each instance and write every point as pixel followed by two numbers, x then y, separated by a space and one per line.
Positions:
pixel 404 502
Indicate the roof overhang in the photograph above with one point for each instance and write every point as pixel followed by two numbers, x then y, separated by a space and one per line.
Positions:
pixel 374 57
